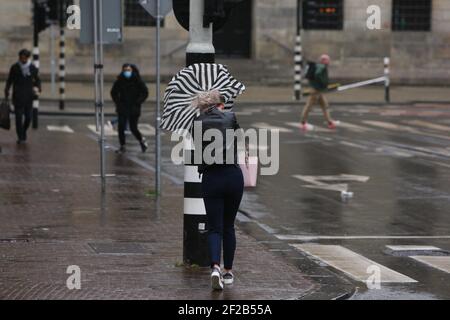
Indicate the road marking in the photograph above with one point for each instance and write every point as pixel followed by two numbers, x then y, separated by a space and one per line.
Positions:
pixel 294 237
pixel 353 127
pixel 439 262
pixel 66 129
pixel 109 131
pixel 147 130
pixel 263 125
pixel 393 151
pixel 352 264
pixel 243 113
pixel 354 145
pixel 402 128
pixel 428 125
pixel 413 248
pixel 315 128
pixel 318 182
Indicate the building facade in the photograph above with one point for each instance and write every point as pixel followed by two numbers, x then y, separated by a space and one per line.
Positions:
pixel 258 41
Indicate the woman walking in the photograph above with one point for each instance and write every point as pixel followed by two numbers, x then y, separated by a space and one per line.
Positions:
pixel 129 92
pixel 222 187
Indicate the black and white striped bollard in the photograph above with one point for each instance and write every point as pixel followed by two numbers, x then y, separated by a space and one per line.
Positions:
pixel 298 69
pixel 195 245
pixel 387 80
pixel 62 57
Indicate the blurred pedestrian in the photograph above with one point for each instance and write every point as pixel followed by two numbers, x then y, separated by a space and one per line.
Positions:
pixel 318 80
pixel 129 92
pixel 24 79
pixel 222 187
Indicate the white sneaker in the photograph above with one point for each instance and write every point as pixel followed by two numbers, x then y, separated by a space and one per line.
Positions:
pixel 216 279
pixel 228 278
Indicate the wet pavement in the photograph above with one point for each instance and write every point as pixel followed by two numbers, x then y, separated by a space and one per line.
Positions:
pixel 127 244
pixel 393 158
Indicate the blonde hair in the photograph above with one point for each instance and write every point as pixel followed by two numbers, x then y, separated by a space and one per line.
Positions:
pixel 207 99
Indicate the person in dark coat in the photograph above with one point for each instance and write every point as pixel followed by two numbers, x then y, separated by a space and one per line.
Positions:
pixel 24 79
pixel 222 183
pixel 129 92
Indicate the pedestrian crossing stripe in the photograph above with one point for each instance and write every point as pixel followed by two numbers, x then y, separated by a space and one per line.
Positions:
pixel 353 127
pixel 441 263
pixel 402 128
pixel 109 131
pixel 428 125
pixel 353 145
pixel 53 128
pixel 315 128
pixel 322 182
pixel 263 125
pixel 145 129
pixel 351 263
pixel 398 248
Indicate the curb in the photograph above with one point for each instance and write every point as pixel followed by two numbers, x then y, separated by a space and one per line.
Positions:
pixel 331 285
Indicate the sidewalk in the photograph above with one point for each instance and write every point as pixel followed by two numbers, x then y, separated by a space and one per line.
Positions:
pixel 52 216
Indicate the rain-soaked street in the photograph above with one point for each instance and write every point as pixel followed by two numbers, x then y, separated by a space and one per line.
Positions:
pixel 393 162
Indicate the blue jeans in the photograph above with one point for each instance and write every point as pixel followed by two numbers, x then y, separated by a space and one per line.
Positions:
pixel 223 187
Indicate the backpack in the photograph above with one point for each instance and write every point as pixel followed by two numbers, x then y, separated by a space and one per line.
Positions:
pixel 310 72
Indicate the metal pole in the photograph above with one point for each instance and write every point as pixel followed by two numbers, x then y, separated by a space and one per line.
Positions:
pixel 97 125
pixel 387 81
pixel 36 63
pixel 298 59
pixel 98 66
pixel 200 50
pixel 101 96
pixel 158 100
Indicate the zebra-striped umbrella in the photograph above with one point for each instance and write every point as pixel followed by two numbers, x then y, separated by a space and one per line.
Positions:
pixel 179 112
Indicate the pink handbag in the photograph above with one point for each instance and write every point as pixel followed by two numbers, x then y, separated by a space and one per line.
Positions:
pixel 250 173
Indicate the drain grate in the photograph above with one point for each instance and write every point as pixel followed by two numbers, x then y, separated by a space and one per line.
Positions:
pixel 121 248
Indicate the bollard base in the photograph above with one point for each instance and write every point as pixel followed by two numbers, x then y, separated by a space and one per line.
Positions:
pixel 195 245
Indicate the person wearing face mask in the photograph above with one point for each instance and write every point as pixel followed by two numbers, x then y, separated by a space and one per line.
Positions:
pixel 129 92
pixel 24 79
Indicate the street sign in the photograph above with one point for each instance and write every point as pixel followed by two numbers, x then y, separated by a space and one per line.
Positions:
pixel 150 7
pixel 112 22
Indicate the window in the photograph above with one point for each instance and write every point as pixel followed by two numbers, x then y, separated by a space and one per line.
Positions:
pixel 136 16
pixel 322 14
pixel 411 15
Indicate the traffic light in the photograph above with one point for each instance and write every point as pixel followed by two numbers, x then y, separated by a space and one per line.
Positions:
pixel 53 10
pixel 40 16
pixel 323 15
pixel 216 12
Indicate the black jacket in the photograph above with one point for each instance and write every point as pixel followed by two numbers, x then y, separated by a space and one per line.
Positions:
pixel 129 95
pixel 222 121
pixel 23 94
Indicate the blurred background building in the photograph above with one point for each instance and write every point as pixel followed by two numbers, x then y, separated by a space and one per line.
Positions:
pixel 258 41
